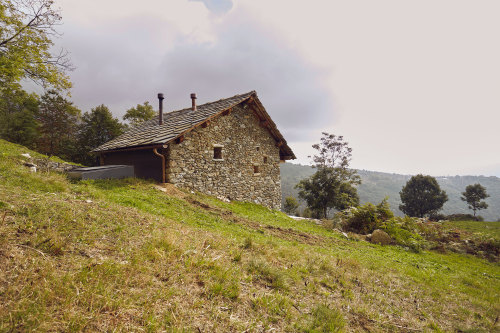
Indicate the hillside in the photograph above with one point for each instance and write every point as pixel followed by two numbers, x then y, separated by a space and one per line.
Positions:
pixel 130 255
pixel 377 185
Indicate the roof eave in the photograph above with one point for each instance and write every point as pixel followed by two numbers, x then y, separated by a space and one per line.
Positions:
pixel 102 151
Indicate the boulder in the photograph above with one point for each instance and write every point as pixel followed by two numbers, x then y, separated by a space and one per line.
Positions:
pixel 380 237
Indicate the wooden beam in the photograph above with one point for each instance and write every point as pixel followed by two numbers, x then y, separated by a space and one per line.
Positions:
pixel 179 139
pixel 264 123
pixel 130 149
pixel 205 124
pixel 279 144
pixel 226 112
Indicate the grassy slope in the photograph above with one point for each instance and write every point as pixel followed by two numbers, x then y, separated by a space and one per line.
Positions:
pixel 122 255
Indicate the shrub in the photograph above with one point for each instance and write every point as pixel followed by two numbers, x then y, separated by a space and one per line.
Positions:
pixel 306 213
pixel 362 219
pixel 405 232
pixel 291 205
pixel 464 217
pixel 366 218
pixel 437 217
pixel 384 210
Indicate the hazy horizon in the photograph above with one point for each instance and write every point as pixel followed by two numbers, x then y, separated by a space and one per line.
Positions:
pixel 407 174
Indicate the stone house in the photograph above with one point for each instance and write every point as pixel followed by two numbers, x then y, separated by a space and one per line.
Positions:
pixel 229 148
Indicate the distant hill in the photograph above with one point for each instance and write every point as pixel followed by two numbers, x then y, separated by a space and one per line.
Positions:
pixel 377 185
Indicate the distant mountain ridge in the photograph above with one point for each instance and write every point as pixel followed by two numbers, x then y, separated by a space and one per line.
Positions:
pixel 376 186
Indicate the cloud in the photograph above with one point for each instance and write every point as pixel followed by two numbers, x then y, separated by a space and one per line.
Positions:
pixel 129 59
pixel 245 58
pixel 217 6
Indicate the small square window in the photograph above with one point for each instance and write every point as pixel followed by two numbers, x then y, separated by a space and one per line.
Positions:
pixel 258 148
pixel 217 153
pixel 265 159
pixel 255 169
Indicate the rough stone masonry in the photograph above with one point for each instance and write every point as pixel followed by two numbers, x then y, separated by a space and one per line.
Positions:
pixel 233 157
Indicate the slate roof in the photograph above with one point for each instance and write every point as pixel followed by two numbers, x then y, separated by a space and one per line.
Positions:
pixel 150 134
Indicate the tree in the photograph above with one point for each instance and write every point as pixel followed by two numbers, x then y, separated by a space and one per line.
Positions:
pixel 332 186
pixel 140 113
pixel 18 111
pixel 98 126
pixel 473 195
pixel 27 28
pixel 422 196
pixel 58 120
pixel 291 205
pixel 324 190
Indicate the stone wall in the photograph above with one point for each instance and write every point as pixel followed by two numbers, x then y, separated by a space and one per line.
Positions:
pixel 45 164
pixel 249 167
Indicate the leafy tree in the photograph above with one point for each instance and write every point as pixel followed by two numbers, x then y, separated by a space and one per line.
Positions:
pixel 332 186
pixel 140 113
pixel 473 195
pixel 333 152
pixel 18 111
pixel 291 205
pixel 27 28
pixel 422 196
pixel 58 120
pixel 98 126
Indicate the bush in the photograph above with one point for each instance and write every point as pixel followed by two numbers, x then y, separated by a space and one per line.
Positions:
pixel 291 205
pixel 311 213
pixel 366 218
pixel 437 217
pixel 405 232
pixel 362 220
pixel 464 217
pixel 306 213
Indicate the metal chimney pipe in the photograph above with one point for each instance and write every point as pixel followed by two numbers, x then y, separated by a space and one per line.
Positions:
pixel 160 116
pixel 193 101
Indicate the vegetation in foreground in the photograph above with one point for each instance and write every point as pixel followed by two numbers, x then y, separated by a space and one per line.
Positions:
pixel 129 255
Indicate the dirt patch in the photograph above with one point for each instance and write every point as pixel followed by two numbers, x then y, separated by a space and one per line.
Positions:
pixel 294 235
pixel 283 233
pixel 200 204
pixel 171 190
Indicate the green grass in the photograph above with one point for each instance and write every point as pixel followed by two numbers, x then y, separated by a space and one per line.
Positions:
pixel 123 256
pixel 488 229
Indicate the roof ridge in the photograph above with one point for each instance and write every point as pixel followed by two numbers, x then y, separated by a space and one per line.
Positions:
pixel 212 102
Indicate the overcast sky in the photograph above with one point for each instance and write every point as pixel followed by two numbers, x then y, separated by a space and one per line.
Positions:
pixel 414 86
